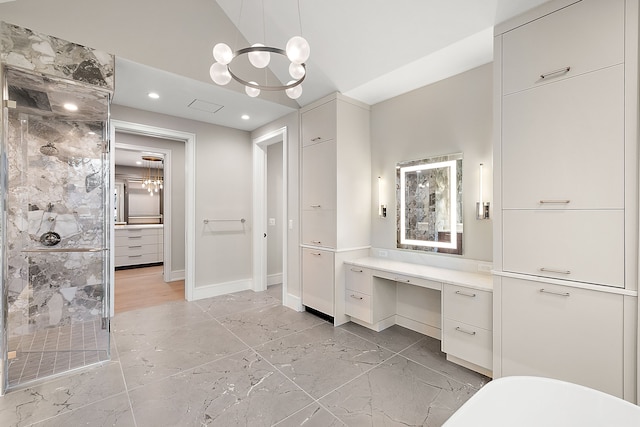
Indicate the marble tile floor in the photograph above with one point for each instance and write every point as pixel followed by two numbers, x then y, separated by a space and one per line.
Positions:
pixel 244 360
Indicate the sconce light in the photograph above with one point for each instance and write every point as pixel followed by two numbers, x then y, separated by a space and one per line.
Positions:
pixel 382 206
pixel 482 207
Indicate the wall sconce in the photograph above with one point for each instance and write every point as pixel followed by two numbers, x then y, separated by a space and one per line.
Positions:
pixel 382 206
pixel 482 208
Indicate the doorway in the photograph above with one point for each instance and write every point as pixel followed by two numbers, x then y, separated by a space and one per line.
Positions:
pixel 275 221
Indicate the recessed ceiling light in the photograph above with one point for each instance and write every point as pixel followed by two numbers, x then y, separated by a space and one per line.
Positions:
pixel 138 162
pixel 245 117
pixel 91 133
pixel 71 107
pixel 153 95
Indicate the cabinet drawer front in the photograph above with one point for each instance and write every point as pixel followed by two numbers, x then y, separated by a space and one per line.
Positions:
pixel 469 306
pixel 401 278
pixel 319 176
pixel 585 246
pixel 318 280
pixel 136 249
pixel 319 124
pixel 135 239
pixel 319 228
pixel 358 305
pixel 586 36
pixel 359 279
pixel 576 338
pixel 468 342
pixel 135 259
pixel 138 231
pixel 553 139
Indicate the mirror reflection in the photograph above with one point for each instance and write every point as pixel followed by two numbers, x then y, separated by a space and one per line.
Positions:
pixel 429 204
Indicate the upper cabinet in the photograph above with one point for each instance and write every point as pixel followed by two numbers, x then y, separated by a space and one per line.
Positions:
pixel 319 125
pixel 564 44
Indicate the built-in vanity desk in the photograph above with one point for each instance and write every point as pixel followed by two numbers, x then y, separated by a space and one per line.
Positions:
pixel 455 308
pixel 138 244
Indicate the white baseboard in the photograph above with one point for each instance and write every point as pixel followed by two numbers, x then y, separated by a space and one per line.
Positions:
pixel 176 275
pixel 423 328
pixel 293 302
pixel 208 291
pixel 274 279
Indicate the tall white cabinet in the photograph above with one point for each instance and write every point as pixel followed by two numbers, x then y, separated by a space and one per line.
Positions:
pixel 565 208
pixel 335 198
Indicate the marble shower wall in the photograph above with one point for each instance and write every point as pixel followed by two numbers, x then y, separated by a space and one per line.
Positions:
pixel 56 179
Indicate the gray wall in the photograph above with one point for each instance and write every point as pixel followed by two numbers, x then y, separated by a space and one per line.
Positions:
pixel 274 209
pixel 450 116
pixel 222 190
pixel 177 178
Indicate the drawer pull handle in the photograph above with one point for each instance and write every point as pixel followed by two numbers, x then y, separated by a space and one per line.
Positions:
pixel 555 202
pixel 562 294
pixel 397 279
pixel 356 297
pixel 135 237
pixel 134 256
pixel 134 247
pixel 555 73
pixel 315 206
pixel 134 229
pixel 466 294
pixel 355 270
pixel 317 242
pixel 464 331
pixel 316 253
pixel 551 270
pixel 317 138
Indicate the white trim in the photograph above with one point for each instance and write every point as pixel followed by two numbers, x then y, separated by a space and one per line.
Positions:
pixel 274 279
pixel 190 141
pixel 293 302
pixel 214 290
pixel 260 145
pixel 175 275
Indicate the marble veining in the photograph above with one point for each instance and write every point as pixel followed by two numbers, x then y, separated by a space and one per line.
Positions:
pixel 23 48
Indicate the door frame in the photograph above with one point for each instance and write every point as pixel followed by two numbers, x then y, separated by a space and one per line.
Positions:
pixel 260 145
pixel 190 141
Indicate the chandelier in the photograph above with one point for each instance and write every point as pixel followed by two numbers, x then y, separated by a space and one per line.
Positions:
pixel 153 179
pixel 296 51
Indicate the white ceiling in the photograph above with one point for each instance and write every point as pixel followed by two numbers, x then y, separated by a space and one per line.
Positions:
pixel 370 50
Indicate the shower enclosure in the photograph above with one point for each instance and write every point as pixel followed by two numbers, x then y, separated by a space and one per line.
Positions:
pixel 54 207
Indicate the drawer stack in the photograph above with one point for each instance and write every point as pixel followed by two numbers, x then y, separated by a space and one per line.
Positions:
pixel 136 246
pixel 366 300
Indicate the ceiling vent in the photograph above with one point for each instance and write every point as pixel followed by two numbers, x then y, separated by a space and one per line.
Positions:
pixel 207 107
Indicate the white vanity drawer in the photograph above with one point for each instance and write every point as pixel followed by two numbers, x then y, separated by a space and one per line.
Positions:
pixel 470 306
pixel 319 124
pixel 358 305
pixel 416 281
pixel 468 342
pixel 319 228
pixel 585 36
pixel 135 239
pixel 134 259
pixel 565 244
pixel 358 279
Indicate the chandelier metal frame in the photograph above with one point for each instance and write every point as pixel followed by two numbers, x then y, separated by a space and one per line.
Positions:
pixel 269 49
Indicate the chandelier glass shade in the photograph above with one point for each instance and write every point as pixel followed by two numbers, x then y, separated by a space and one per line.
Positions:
pixel 153 180
pixel 297 52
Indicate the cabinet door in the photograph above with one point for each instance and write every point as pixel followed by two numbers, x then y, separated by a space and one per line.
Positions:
pixel 318 280
pixel 319 228
pixel 586 36
pixel 467 305
pixel 584 246
pixel 565 142
pixel 319 176
pixel 319 124
pixel 468 342
pixel 358 279
pixel 571 334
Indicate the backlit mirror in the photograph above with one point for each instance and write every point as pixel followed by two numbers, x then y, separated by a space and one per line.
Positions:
pixel 429 204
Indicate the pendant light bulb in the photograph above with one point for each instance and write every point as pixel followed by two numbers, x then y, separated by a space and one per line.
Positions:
pixel 222 53
pixel 294 92
pixel 220 74
pixel 296 71
pixel 298 50
pixel 251 91
pixel 259 59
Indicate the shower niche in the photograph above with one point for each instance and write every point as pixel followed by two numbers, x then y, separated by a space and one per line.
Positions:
pixel 55 223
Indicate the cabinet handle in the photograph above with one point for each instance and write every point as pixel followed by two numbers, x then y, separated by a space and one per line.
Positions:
pixel 135 237
pixel 562 294
pixel 356 297
pixel 464 331
pixel 134 256
pixel 317 138
pixel 133 247
pixel 316 253
pixel 555 202
pixel 317 242
pixel 356 271
pixel 555 73
pixel 315 206
pixel 397 279
pixel 466 294
pixel 551 270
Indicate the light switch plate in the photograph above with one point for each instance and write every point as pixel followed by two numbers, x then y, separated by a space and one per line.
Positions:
pixel 290 224
pixel 272 221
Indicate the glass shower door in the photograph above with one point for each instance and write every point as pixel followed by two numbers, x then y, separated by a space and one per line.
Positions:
pixel 55 248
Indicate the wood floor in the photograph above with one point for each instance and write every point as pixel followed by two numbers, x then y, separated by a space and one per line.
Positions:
pixel 144 287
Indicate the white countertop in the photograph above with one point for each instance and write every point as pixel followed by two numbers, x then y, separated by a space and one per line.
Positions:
pixel 136 226
pixel 479 281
